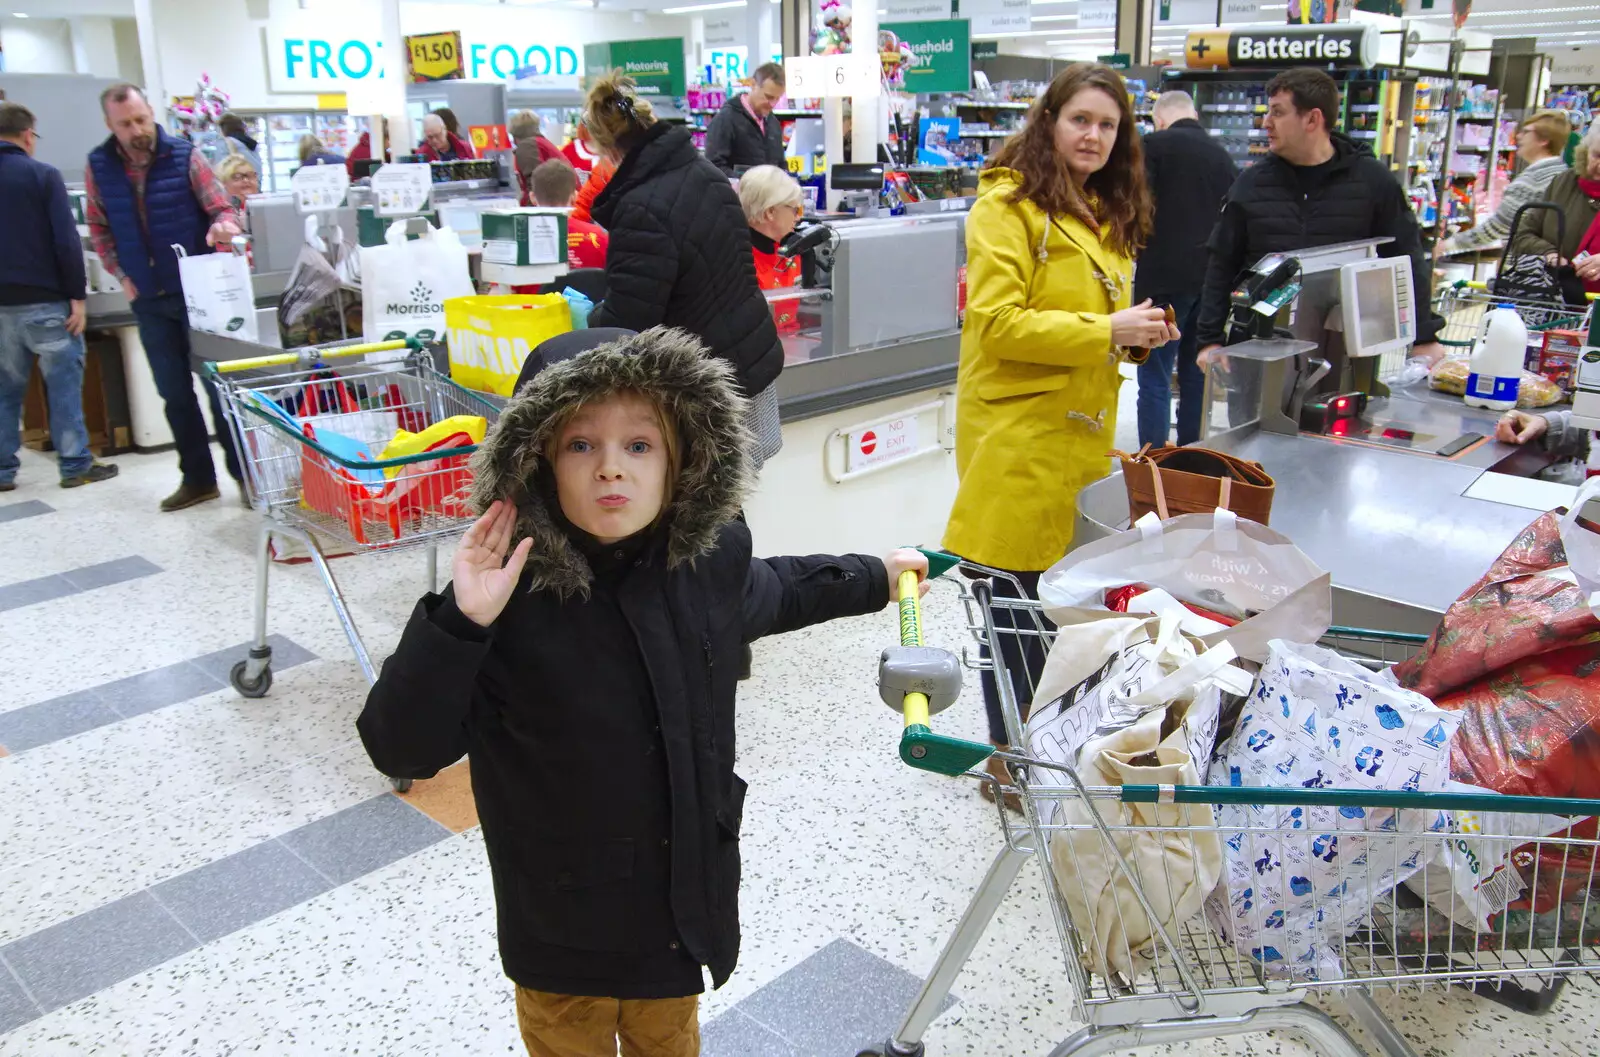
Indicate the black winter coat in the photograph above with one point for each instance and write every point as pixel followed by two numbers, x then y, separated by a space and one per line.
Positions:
pixel 734 140
pixel 598 709
pixel 1268 212
pixel 680 256
pixel 1189 175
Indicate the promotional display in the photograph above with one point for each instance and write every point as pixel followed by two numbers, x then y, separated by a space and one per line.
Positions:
pixel 434 57
pixel 1257 47
pixel 319 187
pixel 402 190
pixel 656 66
pixel 941 54
pixel 489 137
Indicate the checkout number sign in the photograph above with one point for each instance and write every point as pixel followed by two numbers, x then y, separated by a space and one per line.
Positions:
pixel 832 76
pixel 435 57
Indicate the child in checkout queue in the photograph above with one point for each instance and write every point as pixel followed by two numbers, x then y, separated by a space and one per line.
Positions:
pixel 586 658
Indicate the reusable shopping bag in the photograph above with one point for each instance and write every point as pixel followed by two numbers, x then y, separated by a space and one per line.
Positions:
pixel 490 337
pixel 406 282
pixel 218 293
pixel 1148 716
pixel 1318 721
pixel 1236 568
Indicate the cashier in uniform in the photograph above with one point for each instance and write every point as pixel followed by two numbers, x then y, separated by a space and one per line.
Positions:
pixel 1061 210
pixel 1553 429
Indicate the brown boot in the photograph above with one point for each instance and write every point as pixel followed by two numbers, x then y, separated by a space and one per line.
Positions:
pixel 189 495
pixel 997 767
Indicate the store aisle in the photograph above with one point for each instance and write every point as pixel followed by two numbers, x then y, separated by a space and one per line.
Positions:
pixel 188 872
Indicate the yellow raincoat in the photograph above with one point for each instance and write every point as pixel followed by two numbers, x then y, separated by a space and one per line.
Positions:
pixel 1036 395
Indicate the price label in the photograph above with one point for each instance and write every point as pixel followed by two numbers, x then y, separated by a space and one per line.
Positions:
pixel 832 76
pixel 435 57
pixel 402 190
pixel 319 187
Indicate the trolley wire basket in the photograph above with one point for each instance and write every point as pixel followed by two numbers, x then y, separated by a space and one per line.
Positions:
pixel 1463 305
pixel 1190 981
pixel 305 434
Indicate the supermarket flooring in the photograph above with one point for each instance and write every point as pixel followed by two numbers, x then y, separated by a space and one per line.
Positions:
pixel 186 872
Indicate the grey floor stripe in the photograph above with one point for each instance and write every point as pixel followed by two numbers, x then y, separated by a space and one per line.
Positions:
pixel 75 581
pixel 18 511
pixel 43 722
pixel 842 999
pixel 83 955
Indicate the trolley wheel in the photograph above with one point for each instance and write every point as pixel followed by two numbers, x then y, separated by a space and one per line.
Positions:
pixel 401 785
pixel 258 688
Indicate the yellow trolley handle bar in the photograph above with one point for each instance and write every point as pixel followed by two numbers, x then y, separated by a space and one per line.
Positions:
pixel 289 359
pixel 919 745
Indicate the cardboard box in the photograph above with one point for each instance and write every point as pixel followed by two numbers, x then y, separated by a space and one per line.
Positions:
pixel 1558 361
pixel 520 237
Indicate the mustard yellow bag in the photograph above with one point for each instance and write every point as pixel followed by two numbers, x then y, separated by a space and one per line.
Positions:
pixel 490 336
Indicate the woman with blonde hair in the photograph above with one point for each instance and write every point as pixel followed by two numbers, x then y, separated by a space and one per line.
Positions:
pixel 773 204
pixel 680 250
pixel 238 179
pixel 1561 239
pixel 1062 209
pixel 1540 141
pixel 312 152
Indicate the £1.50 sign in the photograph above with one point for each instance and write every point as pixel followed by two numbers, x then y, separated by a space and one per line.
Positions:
pixel 832 76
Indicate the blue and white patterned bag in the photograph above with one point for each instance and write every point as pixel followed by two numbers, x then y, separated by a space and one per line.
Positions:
pixel 1297 880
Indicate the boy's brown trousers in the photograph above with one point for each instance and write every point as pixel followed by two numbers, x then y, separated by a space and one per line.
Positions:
pixel 569 1026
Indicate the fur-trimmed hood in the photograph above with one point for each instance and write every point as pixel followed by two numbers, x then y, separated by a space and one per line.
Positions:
pixel 699 394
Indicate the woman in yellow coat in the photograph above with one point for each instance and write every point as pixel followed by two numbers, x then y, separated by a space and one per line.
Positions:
pixel 1061 210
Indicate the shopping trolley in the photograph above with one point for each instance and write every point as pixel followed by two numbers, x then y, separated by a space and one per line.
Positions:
pixel 1195 984
pixel 1463 304
pixel 293 420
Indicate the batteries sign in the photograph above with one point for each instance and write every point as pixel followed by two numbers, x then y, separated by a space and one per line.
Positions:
pixel 1270 47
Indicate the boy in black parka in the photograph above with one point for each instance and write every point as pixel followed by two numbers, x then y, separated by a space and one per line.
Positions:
pixel 590 670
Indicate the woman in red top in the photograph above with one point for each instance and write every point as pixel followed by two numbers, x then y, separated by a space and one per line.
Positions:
pixel 579 152
pixel 772 204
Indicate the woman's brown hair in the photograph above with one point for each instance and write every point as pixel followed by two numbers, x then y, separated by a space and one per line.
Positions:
pixel 1117 196
pixel 615 115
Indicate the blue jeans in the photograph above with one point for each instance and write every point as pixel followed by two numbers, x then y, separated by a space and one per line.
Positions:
pixel 41 330
pixel 164 332
pixel 1155 381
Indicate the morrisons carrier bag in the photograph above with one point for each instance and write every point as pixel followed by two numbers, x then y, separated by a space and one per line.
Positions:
pixel 405 283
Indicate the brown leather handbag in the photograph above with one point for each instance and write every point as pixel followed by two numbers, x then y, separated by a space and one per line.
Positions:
pixel 1172 481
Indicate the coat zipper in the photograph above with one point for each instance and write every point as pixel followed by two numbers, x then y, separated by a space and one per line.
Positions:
pixel 711 691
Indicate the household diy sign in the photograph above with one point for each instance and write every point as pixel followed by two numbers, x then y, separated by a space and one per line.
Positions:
pixel 941 54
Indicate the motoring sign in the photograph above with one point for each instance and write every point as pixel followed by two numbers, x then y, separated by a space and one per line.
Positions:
pixel 1268 46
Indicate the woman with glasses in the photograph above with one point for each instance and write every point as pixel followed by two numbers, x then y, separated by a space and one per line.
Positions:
pixel 1540 141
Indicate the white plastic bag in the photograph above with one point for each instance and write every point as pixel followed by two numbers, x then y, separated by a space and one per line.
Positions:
pixel 1216 561
pixel 405 283
pixel 218 294
pixel 1300 878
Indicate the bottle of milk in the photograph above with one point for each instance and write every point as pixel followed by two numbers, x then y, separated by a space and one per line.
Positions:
pixel 1497 361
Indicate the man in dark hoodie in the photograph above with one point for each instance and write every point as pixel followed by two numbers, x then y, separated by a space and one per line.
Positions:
pixel 744 133
pixel 1316 188
pixel 589 670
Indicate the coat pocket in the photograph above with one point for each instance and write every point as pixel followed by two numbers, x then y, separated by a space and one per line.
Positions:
pixel 996 389
pixel 579 894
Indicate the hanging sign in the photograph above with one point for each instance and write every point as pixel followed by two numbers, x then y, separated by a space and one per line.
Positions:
pixel 723 31
pixel 832 76
pixel 1097 14
pixel 996 17
pixel 911 10
pixel 1266 47
pixel 656 66
pixel 435 57
pixel 319 187
pixel 1241 12
pixel 941 55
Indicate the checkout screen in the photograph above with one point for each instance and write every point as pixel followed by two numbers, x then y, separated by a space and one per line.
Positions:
pixel 1375 307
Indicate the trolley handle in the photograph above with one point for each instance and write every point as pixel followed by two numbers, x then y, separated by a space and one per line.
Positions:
pixel 1263 796
pixel 920 681
pixel 308 355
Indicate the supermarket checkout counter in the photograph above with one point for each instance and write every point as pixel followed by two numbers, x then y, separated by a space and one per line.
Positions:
pixel 1405 497
pixel 867 394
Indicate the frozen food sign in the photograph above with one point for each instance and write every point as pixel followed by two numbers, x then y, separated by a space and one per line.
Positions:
pixel 306 62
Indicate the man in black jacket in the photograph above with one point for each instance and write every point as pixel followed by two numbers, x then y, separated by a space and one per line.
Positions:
pixel 42 294
pixel 1189 175
pixel 1316 188
pixel 744 133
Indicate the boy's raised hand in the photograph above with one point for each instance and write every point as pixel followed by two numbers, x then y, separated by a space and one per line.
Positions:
pixel 484 579
pixel 906 560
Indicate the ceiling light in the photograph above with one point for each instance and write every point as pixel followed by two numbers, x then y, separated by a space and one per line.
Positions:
pixel 1055 18
pixel 18 14
pixel 692 9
